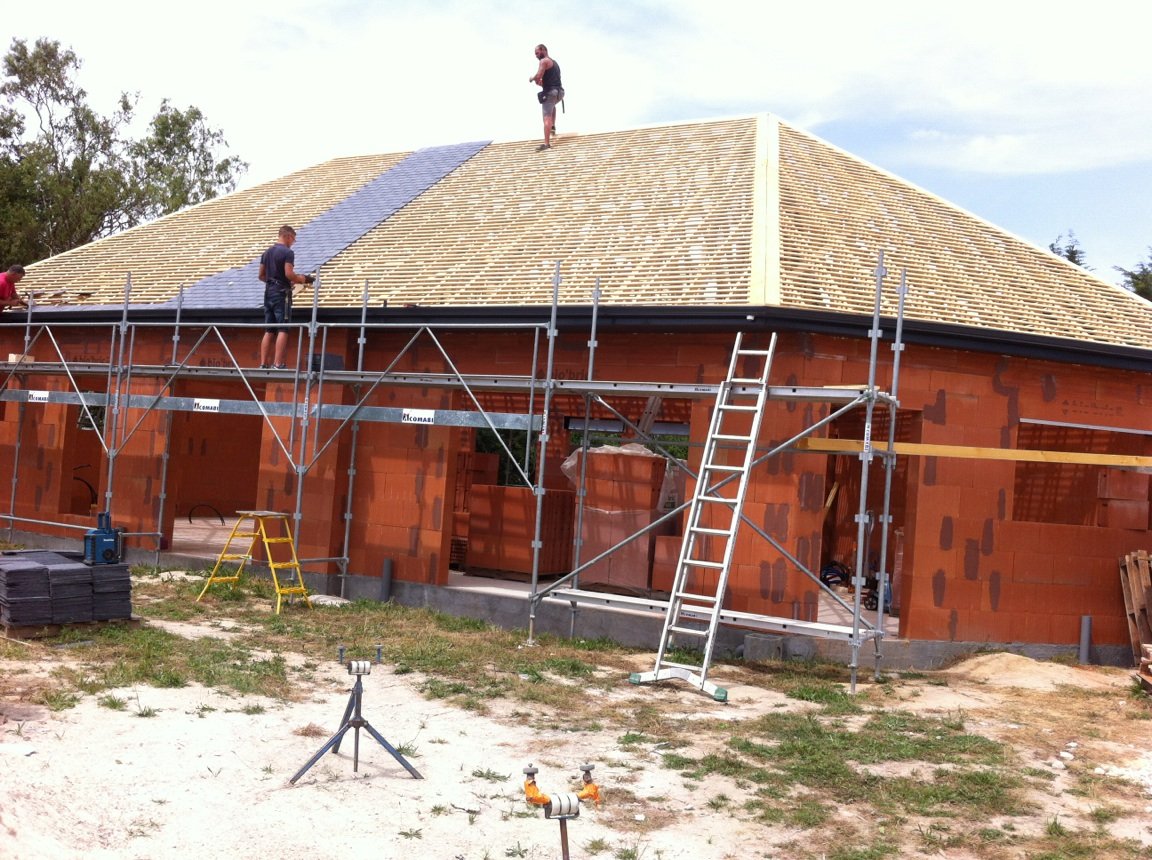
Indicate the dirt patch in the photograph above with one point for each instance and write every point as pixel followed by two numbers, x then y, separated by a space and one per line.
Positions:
pixel 179 772
pixel 1013 670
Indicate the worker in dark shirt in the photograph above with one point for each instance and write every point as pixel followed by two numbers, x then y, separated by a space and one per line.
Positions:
pixel 547 77
pixel 277 271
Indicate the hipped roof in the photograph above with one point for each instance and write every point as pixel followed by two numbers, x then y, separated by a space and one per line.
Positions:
pixel 738 212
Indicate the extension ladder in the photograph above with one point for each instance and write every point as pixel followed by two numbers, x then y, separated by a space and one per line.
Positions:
pixel 286 576
pixel 714 518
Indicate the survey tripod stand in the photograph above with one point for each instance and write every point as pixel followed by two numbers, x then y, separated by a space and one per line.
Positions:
pixel 354 719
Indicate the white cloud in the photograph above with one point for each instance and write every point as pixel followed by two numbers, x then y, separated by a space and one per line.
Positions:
pixel 994 87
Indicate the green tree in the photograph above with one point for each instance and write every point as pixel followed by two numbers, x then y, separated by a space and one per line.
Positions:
pixel 1069 249
pixel 69 175
pixel 1139 279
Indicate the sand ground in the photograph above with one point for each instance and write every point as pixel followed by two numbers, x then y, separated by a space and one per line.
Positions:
pixel 199 772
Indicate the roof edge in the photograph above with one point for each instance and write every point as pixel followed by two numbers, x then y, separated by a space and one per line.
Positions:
pixel 676 320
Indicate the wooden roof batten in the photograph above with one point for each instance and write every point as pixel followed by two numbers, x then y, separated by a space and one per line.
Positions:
pixel 745 211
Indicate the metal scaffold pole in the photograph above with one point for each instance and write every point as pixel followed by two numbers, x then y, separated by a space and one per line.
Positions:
pixel 116 379
pixel 889 457
pixel 864 520
pixel 585 439
pixel 542 458
pixel 346 549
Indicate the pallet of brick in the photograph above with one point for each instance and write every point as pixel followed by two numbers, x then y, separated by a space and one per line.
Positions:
pixel 111 592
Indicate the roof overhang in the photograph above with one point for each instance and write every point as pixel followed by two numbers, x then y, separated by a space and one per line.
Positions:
pixel 676 320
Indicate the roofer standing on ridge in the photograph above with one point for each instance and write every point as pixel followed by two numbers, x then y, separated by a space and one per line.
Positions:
pixel 547 77
pixel 8 295
pixel 278 274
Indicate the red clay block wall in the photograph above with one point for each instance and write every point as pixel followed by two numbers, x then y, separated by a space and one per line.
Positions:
pixel 990 553
pixel 215 458
pixel 976 571
pixel 404 492
pixel 503 523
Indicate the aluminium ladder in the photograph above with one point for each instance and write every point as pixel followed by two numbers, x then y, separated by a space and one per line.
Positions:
pixel 714 517
pixel 286 575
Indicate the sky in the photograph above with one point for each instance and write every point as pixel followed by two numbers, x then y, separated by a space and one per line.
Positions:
pixel 1035 116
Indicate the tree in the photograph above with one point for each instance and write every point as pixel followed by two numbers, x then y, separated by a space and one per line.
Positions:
pixel 1139 279
pixel 1070 250
pixel 69 175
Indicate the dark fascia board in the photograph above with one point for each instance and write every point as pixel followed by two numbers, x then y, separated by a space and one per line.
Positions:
pixel 680 320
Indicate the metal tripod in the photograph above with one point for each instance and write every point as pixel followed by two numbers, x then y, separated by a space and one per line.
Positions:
pixel 353 719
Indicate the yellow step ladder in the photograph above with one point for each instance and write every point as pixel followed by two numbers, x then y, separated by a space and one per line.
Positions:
pixel 286 574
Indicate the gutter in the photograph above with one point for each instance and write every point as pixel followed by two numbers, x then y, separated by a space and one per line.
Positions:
pixel 676 320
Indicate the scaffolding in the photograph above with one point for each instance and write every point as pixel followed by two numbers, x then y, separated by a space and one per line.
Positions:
pixel 314 425
pixel 843 400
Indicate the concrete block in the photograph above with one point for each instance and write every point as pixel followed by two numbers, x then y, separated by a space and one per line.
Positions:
pixel 761 646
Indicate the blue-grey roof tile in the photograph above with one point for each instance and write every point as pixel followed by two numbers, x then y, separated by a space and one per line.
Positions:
pixel 332 231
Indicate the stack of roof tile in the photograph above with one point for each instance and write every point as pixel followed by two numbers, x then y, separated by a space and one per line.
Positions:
pixel 24 593
pixel 40 587
pixel 70 584
pixel 111 592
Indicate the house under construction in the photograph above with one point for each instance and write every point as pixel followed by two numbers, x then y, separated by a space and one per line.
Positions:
pixel 953 423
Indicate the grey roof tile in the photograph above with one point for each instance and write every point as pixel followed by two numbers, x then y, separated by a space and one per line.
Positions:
pixel 329 233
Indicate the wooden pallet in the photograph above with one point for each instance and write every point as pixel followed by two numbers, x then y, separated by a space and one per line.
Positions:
pixel 1136 582
pixel 23 632
pixel 1144 670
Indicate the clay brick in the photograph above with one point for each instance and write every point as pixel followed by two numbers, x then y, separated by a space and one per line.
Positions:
pixel 963 594
pixel 936 502
pixel 1065 629
pixel 958 384
pixel 928 559
pixel 1071 571
pixel 989 627
pixel 1122 514
pixel 1109 630
pixel 823 370
pixel 1099 602
pixel 1031 627
pixel 666 552
pixel 980 437
pixel 612 495
pixel 1016 596
pixel 1033 567
pixel 1022 536
pixel 1117 484
pixel 933 624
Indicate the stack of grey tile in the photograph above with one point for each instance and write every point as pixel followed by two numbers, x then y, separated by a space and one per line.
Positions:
pixel 111 592
pixel 25 596
pixel 70 583
pixel 40 587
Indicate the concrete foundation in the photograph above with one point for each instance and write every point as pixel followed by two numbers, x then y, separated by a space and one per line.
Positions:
pixel 506 605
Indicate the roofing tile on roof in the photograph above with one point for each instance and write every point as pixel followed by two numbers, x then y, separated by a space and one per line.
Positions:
pixel 212 237
pixel 333 230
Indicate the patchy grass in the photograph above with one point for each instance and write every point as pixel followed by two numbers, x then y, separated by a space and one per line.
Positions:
pixel 857 777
